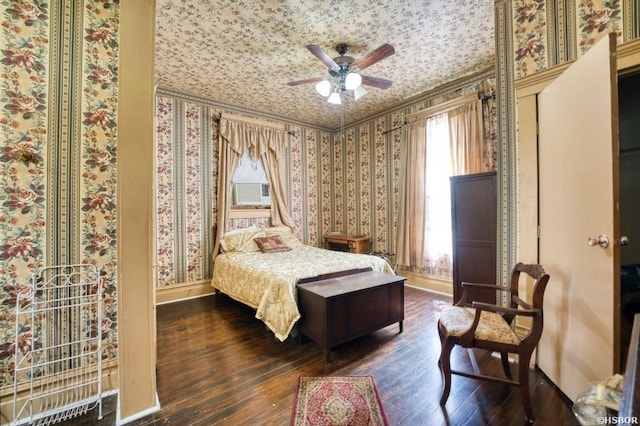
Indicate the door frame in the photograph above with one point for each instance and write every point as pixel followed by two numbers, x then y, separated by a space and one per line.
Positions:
pixel 526 93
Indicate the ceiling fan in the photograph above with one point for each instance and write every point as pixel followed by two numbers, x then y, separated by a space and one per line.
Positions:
pixel 344 71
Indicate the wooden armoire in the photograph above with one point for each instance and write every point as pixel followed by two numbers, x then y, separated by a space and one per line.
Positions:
pixel 474 211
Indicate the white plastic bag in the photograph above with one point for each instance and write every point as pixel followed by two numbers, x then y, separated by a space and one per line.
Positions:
pixel 600 399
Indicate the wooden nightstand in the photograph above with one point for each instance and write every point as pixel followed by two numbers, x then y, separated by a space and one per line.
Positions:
pixel 350 243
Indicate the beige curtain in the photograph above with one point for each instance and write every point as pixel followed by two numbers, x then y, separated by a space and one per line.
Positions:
pixel 228 159
pixel 411 210
pixel 466 134
pixel 264 142
pixel 279 211
pixel 466 144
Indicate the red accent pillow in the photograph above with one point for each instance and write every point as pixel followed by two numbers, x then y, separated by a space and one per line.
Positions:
pixel 272 244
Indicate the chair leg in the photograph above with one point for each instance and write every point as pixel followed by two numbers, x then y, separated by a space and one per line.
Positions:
pixel 441 345
pixel 523 379
pixel 445 366
pixel 505 364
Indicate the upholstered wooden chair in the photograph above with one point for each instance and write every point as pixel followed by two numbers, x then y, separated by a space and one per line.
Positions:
pixel 489 326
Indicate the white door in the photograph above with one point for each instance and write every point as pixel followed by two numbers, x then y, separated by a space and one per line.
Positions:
pixel 578 196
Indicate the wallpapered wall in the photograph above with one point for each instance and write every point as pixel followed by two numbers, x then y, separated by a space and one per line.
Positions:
pixel 59 63
pixel 335 182
pixel 531 36
pixel 580 23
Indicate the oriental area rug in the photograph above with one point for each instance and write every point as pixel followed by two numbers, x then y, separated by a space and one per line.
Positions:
pixel 337 401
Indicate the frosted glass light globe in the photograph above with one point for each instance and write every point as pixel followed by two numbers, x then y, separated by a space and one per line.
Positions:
pixel 324 88
pixel 352 81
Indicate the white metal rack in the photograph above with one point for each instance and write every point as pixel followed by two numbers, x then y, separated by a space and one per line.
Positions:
pixel 58 354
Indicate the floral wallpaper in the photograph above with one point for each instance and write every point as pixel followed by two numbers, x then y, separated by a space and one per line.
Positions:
pixel 529 36
pixel 165 217
pixel 193 192
pixel 23 125
pixel 96 170
pixel 535 40
pixel 58 121
pixel 597 17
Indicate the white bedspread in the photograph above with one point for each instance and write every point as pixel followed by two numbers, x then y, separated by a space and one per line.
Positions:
pixel 267 281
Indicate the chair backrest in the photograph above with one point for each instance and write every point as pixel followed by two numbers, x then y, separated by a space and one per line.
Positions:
pixel 541 278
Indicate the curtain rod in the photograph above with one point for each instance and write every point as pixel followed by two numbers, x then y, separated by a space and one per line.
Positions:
pixel 255 121
pixel 218 117
pixel 395 128
pixel 444 106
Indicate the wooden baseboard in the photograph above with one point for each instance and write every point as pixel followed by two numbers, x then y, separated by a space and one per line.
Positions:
pixel 177 292
pixel 428 283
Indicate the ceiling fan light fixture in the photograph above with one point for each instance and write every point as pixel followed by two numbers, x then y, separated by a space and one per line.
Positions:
pixel 352 81
pixel 334 99
pixel 344 72
pixel 359 92
pixel 323 88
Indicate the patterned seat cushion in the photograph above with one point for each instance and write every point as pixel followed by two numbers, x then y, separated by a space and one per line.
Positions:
pixel 456 320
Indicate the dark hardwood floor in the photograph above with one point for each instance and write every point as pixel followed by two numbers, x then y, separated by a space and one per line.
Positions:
pixel 218 365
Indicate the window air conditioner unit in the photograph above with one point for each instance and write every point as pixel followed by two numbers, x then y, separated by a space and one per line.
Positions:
pixel 251 194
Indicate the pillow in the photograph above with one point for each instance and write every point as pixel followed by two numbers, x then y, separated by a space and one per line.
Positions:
pixel 249 228
pixel 241 241
pixel 271 244
pixel 286 234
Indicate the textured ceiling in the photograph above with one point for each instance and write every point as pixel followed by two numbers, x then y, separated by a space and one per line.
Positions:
pixel 244 52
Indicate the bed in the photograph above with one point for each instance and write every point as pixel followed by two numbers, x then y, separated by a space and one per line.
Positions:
pixel 261 267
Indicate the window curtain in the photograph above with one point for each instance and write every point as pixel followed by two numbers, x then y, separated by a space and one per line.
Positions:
pixel 418 245
pixel 466 133
pixel 411 210
pixel 263 142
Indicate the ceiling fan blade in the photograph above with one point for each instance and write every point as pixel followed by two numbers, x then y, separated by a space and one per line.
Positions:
pixel 309 80
pixel 380 83
pixel 377 55
pixel 323 56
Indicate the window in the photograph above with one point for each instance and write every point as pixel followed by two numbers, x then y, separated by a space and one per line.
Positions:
pixel 250 186
pixel 249 170
pixel 437 236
